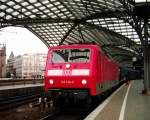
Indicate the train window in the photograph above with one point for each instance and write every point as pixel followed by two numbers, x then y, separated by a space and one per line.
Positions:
pixel 57 58
pixel 70 55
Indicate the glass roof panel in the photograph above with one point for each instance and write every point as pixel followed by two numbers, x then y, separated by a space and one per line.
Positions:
pixel 57 22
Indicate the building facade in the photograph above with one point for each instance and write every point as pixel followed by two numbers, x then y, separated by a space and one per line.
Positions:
pixel 30 65
pixel 2 60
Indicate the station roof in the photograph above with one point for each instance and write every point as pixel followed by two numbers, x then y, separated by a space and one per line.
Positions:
pixel 109 23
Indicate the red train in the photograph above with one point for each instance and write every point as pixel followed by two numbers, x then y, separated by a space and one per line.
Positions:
pixel 79 72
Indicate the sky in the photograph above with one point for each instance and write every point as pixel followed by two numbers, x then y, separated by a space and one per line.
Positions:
pixel 21 41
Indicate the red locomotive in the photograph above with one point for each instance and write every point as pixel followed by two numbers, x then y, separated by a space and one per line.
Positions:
pixel 79 71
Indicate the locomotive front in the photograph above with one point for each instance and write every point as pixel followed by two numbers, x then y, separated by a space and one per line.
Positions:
pixel 69 71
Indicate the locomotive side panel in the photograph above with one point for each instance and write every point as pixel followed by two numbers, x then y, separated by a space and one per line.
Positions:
pixel 110 73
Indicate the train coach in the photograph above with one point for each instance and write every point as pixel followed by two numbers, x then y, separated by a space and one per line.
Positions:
pixel 79 72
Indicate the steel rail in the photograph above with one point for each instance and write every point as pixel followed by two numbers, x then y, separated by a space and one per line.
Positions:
pixel 11 103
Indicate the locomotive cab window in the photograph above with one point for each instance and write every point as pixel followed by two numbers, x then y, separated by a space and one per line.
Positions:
pixel 70 55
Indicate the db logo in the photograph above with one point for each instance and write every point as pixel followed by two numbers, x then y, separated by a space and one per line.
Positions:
pixel 67 72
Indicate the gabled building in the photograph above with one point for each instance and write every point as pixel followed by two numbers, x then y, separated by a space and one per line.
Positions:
pixel 10 71
pixel 2 60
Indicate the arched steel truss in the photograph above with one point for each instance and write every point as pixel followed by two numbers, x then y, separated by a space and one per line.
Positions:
pixel 111 24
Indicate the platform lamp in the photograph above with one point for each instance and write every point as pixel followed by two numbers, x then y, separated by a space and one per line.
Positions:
pixel 134 60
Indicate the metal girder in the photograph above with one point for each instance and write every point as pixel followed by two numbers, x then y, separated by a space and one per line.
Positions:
pixel 121 15
pixel 128 4
pixel 123 54
pixel 29 21
pixel 113 45
pixel 125 59
pixel 40 21
pixel 106 14
pixel 126 40
pixel 66 35
pixel 109 23
pixel 114 51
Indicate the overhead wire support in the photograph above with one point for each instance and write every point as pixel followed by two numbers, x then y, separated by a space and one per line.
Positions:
pixel 80 33
pixel 69 31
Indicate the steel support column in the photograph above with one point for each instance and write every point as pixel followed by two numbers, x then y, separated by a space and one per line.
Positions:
pixel 146 53
pixel 146 69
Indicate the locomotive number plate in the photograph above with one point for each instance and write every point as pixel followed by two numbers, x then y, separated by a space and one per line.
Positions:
pixel 67 82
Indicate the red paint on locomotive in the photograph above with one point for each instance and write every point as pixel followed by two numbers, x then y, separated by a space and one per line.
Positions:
pixel 96 75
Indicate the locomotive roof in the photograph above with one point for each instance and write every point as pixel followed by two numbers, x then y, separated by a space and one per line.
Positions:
pixel 75 45
pixel 112 24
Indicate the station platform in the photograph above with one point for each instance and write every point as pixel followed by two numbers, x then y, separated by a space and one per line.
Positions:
pixel 11 91
pixel 20 86
pixel 127 103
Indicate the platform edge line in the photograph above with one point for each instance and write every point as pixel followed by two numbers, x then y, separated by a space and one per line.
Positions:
pixel 121 116
pixel 93 114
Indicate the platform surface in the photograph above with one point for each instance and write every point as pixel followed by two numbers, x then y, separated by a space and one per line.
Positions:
pixel 127 103
pixel 19 86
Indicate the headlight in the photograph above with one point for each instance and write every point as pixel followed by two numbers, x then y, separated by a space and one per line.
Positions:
pixel 67 65
pixel 84 82
pixel 51 82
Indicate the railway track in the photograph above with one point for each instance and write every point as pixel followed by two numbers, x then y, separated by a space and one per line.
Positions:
pixel 51 115
pixel 77 113
pixel 61 115
pixel 16 101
